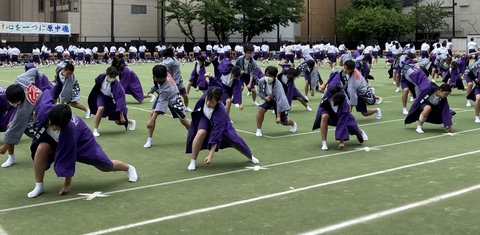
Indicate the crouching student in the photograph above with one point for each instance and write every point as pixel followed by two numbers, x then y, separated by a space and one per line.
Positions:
pixel 211 129
pixel 273 97
pixel 107 99
pixel 432 107
pixel 335 111
pixel 287 77
pixel 64 139
pixel 168 97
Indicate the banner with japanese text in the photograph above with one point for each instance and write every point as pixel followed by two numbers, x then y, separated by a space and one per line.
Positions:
pixel 34 28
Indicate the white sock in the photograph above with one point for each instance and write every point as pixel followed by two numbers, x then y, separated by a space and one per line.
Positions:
pixel 10 161
pixel 95 130
pixel 324 145
pixel 132 174
pixel 36 191
pixel 193 165
pixel 149 143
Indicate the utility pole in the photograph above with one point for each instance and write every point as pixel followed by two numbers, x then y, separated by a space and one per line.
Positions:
pixel 112 21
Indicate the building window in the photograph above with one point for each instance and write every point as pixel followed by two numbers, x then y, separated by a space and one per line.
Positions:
pixel 41 5
pixel 139 10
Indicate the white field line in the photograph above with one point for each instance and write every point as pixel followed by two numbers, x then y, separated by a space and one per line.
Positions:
pixel 362 125
pixel 390 211
pixel 2 232
pixel 226 173
pixel 208 209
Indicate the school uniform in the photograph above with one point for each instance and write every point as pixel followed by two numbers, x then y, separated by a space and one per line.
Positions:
pixel 278 99
pixel 219 129
pixel 66 89
pixel 75 143
pixel 339 117
pixel 169 98
pixel 440 114
pixel 111 96
pixel 173 67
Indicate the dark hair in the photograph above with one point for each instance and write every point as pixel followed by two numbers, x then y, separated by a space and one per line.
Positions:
pixel 236 71
pixel 272 71
pixel 112 71
pixel 445 87
pixel 338 98
pixel 160 71
pixel 248 48
pixel 116 62
pixel 292 71
pixel 201 58
pixel 411 55
pixel 214 93
pixel 168 52
pixel 69 67
pixel 60 116
pixel 454 64
pixel 15 92
pixel 311 63
pixel 350 64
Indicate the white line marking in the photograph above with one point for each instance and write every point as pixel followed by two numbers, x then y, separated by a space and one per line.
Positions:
pixel 91 196
pixel 256 168
pixel 203 210
pixel 226 173
pixel 390 211
pixel 2 232
pixel 362 125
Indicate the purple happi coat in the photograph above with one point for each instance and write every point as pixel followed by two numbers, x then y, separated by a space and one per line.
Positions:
pixel 343 120
pixel 440 114
pixel 235 89
pixel 476 90
pixel 221 131
pixel 117 103
pixel 198 78
pixel 131 84
pixel 76 142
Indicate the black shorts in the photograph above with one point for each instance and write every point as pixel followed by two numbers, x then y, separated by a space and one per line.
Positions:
pixel 273 105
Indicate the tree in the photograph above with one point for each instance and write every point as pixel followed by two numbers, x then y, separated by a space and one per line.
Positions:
pixel 262 16
pixel 388 4
pixel 219 16
pixel 365 22
pixel 184 14
pixel 429 18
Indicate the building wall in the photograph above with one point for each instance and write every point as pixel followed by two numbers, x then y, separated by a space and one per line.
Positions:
pixel 321 26
pixel 467 17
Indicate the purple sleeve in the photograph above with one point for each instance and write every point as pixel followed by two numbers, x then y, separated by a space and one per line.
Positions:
pixel 192 75
pixel 237 91
pixel 341 130
pixel 66 153
pixel 219 117
pixel 119 96
pixel 201 80
pixel 446 115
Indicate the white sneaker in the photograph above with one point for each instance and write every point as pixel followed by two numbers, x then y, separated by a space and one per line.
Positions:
pixel 96 134
pixel 249 93
pixel 476 121
pixel 259 133
pixel 231 121
pixel 132 174
pixel 379 114
pixel 147 145
pixel 433 80
pixel 193 165
pixel 380 100
pixel 88 115
pixel 255 103
pixel 468 104
pixel 398 89
pixel 419 130
pixel 254 160
pixel 364 136
pixel 188 109
pixel 133 125
pixel 412 99
pixel 152 99
pixel 273 111
pixel 324 147
pixel 293 129
pixel 309 109
pixel 405 111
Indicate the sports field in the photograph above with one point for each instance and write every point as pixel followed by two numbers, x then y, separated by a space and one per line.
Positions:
pixel 407 183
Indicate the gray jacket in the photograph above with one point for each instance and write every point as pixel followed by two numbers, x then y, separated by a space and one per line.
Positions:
pixel 25 109
pixel 278 94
